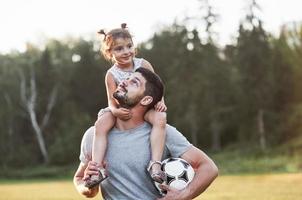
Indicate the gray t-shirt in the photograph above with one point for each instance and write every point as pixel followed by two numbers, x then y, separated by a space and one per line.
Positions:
pixel 127 156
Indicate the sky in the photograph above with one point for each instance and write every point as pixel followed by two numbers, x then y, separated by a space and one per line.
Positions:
pixel 36 20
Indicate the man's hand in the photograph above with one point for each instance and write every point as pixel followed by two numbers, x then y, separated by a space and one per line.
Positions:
pixel 122 113
pixel 82 173
pixel 173 194
pixel 160 107
pixel 92 169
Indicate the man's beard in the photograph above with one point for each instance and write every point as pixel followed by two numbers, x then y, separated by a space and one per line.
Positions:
pixel 125 101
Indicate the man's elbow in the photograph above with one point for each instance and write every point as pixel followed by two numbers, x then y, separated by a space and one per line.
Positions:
pixel 214 170
pixel 88 193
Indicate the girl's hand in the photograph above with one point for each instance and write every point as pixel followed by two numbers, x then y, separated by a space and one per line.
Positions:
pixel 122 113
pixel 92 169
pixel 160 107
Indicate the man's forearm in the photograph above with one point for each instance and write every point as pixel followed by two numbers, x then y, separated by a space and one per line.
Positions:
pixel 89 193
pixel 80 185
pixel 205 173
pixel 204 176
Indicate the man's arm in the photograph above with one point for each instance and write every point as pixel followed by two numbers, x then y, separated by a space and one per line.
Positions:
pixel 205 173
pixel 82 171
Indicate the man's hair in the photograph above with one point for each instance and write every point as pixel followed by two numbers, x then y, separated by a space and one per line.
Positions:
pixel 154 86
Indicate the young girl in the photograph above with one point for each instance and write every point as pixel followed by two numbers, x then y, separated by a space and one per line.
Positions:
pixel 117 46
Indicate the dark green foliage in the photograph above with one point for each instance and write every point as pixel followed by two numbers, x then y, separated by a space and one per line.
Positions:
pixel 81 93
pixel 214 95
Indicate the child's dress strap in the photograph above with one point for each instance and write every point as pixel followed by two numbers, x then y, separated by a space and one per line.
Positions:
pixel 120 75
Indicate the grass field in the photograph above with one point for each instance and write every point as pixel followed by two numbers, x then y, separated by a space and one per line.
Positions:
pixel 238 187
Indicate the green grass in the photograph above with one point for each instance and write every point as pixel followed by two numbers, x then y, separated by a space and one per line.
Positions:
pixel 238 163
pixel 229 187
pixel 251 160
pixel 39 190
pixel 38 172
pixel 246 173
pixel 256 187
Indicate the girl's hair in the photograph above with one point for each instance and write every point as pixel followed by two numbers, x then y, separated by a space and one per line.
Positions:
pixel 110 37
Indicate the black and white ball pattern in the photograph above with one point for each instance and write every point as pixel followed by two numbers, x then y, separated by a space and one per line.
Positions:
pixel 179 173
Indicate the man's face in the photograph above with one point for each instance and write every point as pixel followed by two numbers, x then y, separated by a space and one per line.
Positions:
pixel 131 91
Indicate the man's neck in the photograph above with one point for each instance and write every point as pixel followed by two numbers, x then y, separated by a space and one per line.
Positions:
pixel 136 119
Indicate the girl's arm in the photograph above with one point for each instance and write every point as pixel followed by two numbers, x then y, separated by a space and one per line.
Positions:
pixel 111 86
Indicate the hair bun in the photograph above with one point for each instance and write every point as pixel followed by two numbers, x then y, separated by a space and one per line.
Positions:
pixel 124 25
pixel 102 32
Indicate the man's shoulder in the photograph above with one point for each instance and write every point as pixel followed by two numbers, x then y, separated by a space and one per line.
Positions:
pixel 171 129
pixel 176 142
pixel 89 133
pixel 173 134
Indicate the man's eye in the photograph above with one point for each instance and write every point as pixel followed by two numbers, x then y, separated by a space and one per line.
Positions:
pixel 134 82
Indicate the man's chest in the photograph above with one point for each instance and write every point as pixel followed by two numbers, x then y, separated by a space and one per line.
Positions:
pixel 131 151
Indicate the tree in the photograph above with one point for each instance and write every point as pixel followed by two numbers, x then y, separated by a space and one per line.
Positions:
pixel 287 64
pixel 253 58
pixel 29 98
pixel 214 74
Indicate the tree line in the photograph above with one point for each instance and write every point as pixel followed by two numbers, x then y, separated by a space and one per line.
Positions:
pixel 245 93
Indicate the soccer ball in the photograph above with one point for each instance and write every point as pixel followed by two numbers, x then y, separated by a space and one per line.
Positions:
pixel 179 174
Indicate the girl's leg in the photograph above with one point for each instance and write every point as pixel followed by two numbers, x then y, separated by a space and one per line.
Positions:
pixel 157 140
pixel 103 125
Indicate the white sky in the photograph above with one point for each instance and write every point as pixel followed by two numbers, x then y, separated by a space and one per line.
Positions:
pixel 35 20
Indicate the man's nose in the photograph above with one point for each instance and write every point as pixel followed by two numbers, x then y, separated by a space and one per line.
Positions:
pixel 123 83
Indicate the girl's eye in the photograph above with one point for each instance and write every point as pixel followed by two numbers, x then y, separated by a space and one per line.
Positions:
pixel 118 48
pixel 130 46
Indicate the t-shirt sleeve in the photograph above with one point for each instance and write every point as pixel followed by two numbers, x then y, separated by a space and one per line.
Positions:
pixel 176 143
pixel 86 146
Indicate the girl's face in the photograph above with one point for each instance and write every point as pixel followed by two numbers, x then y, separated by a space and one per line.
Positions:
pixel 122 52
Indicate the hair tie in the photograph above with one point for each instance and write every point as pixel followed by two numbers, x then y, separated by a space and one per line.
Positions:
pixel 124 25
pixel 103 33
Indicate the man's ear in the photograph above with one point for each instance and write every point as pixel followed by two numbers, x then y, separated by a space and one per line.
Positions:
pixel 146 100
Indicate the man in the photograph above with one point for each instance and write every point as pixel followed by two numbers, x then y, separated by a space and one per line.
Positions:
pixel 129 151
